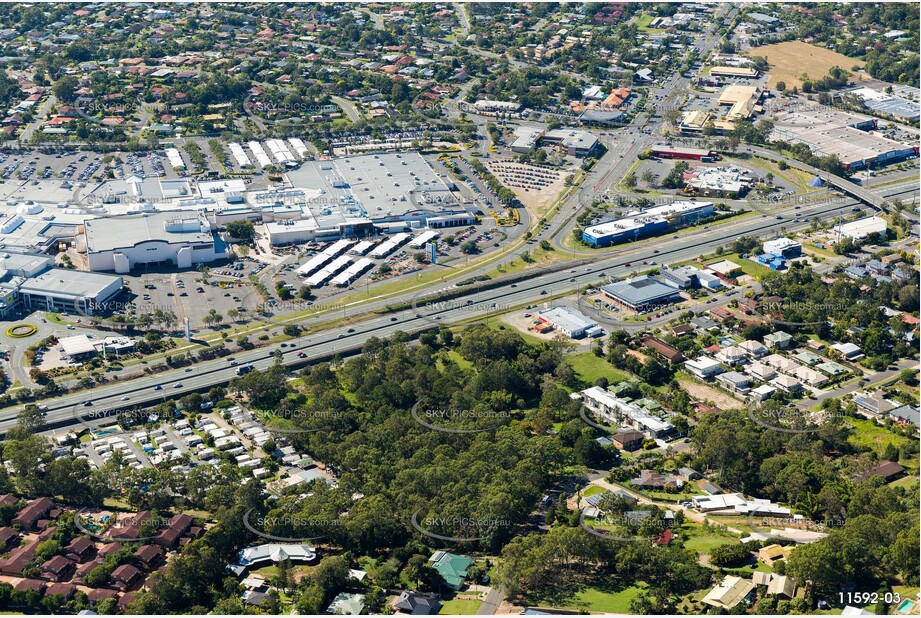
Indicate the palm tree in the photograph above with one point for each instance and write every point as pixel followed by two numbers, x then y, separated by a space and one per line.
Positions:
pixel 809 505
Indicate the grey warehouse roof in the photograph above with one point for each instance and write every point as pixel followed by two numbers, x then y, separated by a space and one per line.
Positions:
pixel 109 233
pixel 640 290
pixel 63 282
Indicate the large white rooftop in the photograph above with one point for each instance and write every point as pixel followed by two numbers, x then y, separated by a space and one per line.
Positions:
pixel 109 233
pixel 385 186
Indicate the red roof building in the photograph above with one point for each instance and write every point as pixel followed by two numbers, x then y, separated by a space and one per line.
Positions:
pixel 57 568
pixel 80 549
pixel 177 526
pixel 32 512
pixel 126 576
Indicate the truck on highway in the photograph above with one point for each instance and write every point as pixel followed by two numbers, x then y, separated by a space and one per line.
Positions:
pixel 241 371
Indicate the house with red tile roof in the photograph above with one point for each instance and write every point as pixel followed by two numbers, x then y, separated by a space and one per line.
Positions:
pixel 31 513
pixel 126 576
pixel 18 559
pixel 124 601
pixel 57 568
pixel 149 555
pixel 178 524
pixel 129 527
pixel 86 568
pixel 59 589
pixel 80 549
pixel 25 585
pixel 99 594
pixel 8 538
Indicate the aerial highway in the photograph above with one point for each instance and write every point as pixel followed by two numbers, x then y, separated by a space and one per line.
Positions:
pixel 72 408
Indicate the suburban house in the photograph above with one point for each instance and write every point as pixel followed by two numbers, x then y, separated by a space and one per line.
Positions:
pixel 409 602
pixel 782 586
pixel 126 576
pixel 80 549
pixel 688 474
pixel 670 353
pixel 8 538
pixel 735 381
pixel 778 340
pixel 32 512
pixel 730 592
pixel 628 440
pixel 732 355
pixel 703 367
pixel 177 526
pixel 149 555
pixel 56 568
pixel 761 371
pixel 848 351
pixel 769 554
pixel 347 604
pixel 889 470
pixel 787 384
pixel 649 479
pixel 129 527
pixel 753 348
pixel 451 567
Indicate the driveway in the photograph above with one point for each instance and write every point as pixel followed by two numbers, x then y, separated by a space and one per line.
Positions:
pixel 491 602
pixel 689 514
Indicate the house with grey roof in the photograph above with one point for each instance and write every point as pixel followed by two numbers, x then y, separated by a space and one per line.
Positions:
pixel 906 414
pixel 780 339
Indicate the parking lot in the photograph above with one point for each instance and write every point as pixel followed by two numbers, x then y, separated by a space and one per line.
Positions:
pixel 64 176
pixel 402 262
pixel 190 295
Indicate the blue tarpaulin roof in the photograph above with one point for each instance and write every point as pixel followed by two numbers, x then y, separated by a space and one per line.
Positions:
pixel 816 182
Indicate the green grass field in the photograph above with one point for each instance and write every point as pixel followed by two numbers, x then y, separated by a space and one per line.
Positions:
pixel 462 362
pixel 589 368
pixel 748 267
pixel 597 599
pixel 642 23
pixel 907 592
pixel 591 491
pixel 906 482
pixel 703 540
pixel 612 602
pixel 873 436
pixel 531 339
pixel 687 492
pixel 458 607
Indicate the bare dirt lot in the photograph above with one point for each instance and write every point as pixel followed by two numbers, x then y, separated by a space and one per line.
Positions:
pixel 791 59
pixel 701 392
pixel 537 187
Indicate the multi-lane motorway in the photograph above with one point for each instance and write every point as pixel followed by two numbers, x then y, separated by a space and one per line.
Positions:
pixel 72 409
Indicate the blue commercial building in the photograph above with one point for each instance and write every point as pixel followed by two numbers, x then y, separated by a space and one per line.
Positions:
pixel 783 248
pixel 772 261
pixel 645 223
pixel 622 230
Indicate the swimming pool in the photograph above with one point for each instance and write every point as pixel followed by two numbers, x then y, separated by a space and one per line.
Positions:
pixel 905 606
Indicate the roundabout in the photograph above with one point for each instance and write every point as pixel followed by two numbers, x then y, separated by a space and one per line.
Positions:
pixel 20 331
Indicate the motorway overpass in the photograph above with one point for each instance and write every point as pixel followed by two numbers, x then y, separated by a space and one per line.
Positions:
pixel 851 189
pixel 73 408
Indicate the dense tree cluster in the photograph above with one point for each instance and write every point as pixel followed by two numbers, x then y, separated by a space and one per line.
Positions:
pixel 796 469
pixel 832 309
pixel 551 566
pixel 488 477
